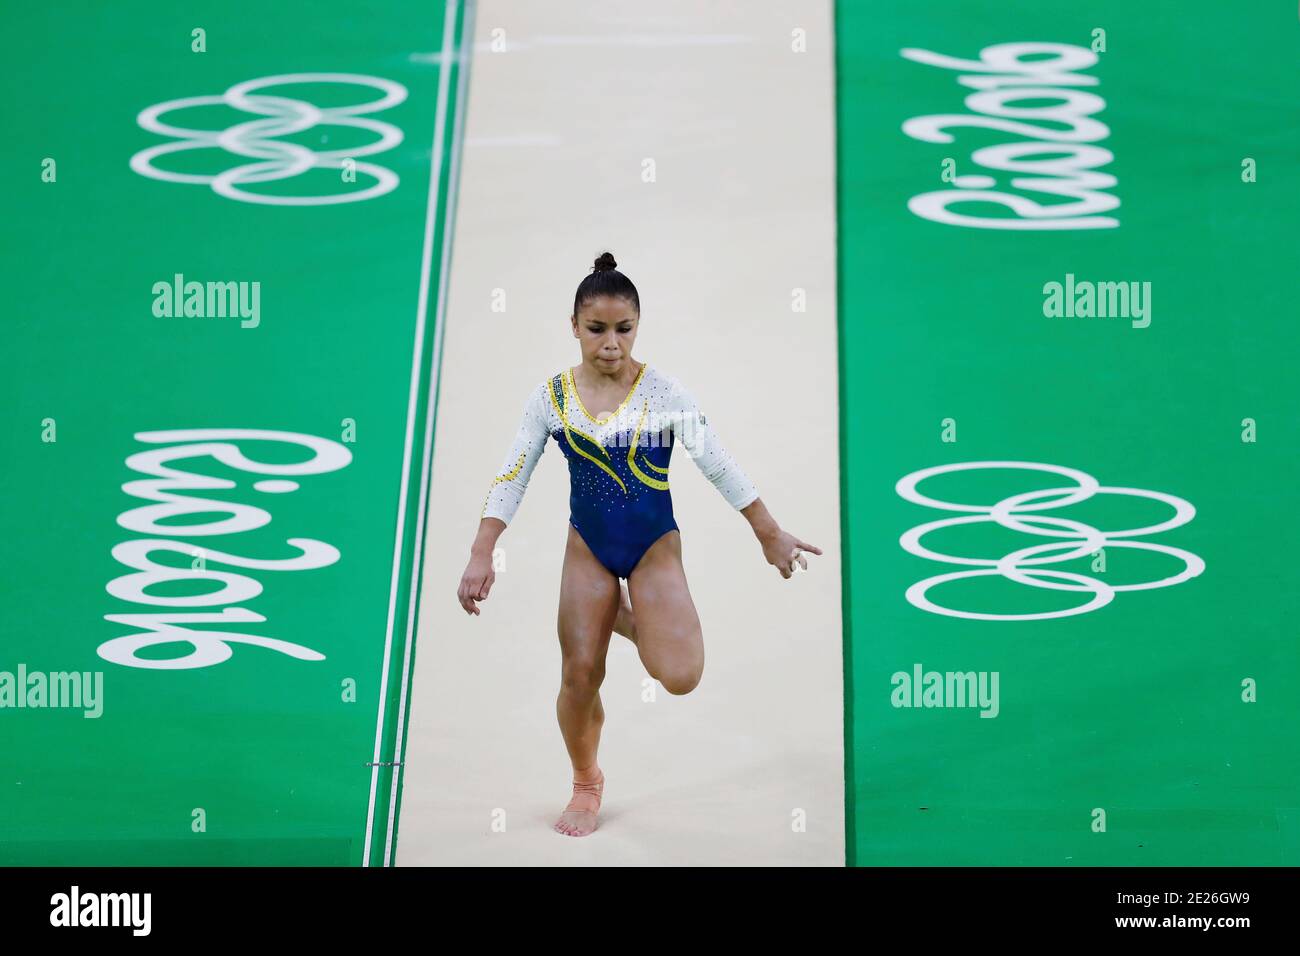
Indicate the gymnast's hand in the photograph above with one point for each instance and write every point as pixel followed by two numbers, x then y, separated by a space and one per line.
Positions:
pixel 476 582
pixel 783 551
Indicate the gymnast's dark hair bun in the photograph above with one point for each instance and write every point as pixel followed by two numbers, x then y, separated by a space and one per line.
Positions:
pixel 606 280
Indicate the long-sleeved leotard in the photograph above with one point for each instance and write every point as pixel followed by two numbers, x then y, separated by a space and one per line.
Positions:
pixel 619 500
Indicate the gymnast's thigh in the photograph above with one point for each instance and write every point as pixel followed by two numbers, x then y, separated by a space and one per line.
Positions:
pixel 589 598
pixel 668 630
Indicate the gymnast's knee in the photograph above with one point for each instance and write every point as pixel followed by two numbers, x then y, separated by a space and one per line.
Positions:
pixel 582 674
pixel 680 679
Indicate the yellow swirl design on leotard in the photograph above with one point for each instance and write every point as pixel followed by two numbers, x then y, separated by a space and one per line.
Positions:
pixel 569 431
pixel 499 478
pixel 631 456
pixel 565 421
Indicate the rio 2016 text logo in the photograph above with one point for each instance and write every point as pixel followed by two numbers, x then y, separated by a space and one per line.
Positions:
pixel 172 627
pixel 1002 77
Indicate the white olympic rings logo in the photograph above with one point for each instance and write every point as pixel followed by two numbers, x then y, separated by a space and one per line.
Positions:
pixel 277 158
pixel 1082 540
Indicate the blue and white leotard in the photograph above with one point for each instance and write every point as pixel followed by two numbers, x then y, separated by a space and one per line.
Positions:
pixel 619 500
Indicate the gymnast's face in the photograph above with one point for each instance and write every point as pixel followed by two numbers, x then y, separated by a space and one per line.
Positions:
pixel 606 328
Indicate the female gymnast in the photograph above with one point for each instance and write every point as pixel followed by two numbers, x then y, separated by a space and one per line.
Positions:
pixel 620 519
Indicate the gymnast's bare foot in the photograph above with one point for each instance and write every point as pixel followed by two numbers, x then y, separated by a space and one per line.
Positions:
pixel 580 816
pixel 625 623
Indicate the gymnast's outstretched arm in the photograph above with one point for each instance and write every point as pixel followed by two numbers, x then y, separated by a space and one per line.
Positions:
pixel 691 427
pixel 503 498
